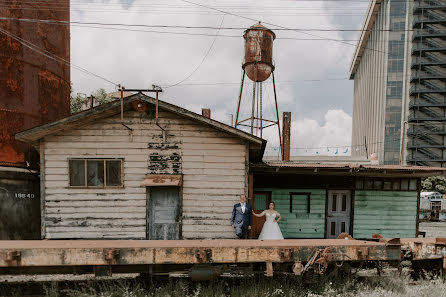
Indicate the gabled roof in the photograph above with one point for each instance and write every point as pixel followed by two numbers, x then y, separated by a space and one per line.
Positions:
pixel 257 145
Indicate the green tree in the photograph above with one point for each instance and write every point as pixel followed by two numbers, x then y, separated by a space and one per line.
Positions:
pixel 434 184
pixel 77 102
pixel 101 97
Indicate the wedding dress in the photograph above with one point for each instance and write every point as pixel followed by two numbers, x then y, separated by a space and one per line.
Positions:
pixel 271 229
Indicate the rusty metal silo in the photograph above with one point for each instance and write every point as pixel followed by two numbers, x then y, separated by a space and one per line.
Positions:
pixel 34 90
pixel 258 63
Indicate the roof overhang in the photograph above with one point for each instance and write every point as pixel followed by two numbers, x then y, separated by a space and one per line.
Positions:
pixel 256 144
pixel 345 169
pixel 372 13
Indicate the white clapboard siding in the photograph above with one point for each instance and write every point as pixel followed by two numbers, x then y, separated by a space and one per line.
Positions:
pixel 213 165
pixel 98 222
pixel 229 234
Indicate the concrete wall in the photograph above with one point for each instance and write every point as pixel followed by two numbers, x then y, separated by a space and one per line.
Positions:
pixel 370 91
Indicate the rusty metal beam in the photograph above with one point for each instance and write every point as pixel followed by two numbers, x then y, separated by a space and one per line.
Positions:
pixel 131 252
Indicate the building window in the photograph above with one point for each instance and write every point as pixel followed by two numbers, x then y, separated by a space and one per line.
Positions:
pixel 300 202
pixel 95 173
pixel 389 184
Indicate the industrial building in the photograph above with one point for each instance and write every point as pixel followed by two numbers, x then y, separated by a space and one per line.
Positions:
pixel 34 90
pixel 175 174
pixel 399 73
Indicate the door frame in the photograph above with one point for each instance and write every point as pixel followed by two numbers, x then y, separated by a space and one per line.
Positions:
pixel 180 212
pixel 352 202
pixel 268 195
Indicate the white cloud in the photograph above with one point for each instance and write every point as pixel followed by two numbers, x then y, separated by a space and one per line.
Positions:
pixel 309 138
pixel 139 59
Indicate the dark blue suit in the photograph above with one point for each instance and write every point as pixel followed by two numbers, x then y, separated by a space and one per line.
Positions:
pixel 241 220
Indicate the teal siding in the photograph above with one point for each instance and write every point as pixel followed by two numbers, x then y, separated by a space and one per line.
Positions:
pixel 391 214
pixel 300 225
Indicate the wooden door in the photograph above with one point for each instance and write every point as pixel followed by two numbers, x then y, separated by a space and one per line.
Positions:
pixel 259 203
pixel 163 213
pixel 338 213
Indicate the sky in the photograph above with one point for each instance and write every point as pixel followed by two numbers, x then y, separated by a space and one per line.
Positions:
pixel 204 70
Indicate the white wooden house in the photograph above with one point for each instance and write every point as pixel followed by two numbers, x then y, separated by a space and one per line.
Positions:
pixel 175 177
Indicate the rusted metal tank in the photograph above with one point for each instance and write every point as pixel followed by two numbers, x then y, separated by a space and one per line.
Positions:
pixel 34 89
pixel 258 63
pixel 19 204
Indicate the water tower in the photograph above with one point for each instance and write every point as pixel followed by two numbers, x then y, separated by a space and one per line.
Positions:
pixel 258 66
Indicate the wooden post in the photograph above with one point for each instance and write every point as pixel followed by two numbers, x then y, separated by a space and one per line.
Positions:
pixel 42 189
pixel 269 269
pixel 286 132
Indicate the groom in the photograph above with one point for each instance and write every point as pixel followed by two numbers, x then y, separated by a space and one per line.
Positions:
pixel 241 219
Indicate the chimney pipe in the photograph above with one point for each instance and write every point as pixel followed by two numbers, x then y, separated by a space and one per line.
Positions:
pixel 91 101
pixel 206 112
pixel 286 120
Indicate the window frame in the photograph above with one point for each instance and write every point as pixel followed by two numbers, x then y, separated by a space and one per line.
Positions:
pixel 386 184
pixel 86 186
pixel 308 194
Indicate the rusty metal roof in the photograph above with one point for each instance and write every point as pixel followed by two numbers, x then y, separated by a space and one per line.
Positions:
pixel 351 168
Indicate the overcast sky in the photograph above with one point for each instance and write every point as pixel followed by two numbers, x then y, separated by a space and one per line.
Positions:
pixel 312 75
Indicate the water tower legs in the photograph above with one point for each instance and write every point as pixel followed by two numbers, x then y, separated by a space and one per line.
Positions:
pixel 256 120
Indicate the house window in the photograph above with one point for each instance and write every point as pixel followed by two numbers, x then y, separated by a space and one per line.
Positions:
pixel 95 173
pixel 299 202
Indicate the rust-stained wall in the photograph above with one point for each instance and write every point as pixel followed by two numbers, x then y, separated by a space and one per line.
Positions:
pixel 19 205
pixel 34 89
pixel 213 165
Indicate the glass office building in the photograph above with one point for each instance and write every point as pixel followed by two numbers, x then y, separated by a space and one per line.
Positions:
pixel 399 73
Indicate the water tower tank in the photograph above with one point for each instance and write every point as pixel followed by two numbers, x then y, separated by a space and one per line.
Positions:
pixel 258 63
pixel 34 89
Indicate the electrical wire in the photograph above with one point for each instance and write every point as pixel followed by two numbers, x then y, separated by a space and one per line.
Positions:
pixel 268 23
pixel 46 21
pixel 396 139
pixel 52 56
pixel 202 60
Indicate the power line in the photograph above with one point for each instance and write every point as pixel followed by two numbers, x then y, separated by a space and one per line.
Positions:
pixel 52 56
pixel 192 27
pixel 202 60
pixel 268 23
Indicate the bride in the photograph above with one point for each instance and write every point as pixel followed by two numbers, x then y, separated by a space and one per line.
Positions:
pixel 271 229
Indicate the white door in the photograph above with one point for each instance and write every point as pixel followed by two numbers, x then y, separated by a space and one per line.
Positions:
pixel 338 213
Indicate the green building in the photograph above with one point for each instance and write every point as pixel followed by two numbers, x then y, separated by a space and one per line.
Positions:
pixel 324 200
